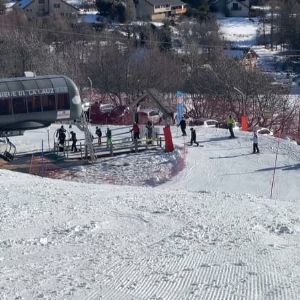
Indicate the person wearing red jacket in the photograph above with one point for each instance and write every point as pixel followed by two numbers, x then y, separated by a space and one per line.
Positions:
pixel 136 131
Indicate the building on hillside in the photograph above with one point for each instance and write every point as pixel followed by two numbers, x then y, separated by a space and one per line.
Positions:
pixel 237 8
pixel 158 10
pixel 250 60
pixel 232 8
pixel 41 8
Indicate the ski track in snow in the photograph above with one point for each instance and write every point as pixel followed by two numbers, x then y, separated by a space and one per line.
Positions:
pixel 190 238
pixel 228 165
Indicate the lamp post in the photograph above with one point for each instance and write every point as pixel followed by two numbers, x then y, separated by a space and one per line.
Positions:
pixel 91 87
pixel 243 99
pixel 244 119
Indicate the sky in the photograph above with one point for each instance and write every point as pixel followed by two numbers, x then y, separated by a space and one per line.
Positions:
pixel 209 230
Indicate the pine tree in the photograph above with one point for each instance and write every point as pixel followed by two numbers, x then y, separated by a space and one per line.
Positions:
pixel 2 7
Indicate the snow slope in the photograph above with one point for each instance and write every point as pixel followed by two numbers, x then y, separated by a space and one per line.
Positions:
pixel 241 32
pixel 228 165
pixel 211 232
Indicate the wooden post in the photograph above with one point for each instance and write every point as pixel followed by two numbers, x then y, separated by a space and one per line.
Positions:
pixel 64 147
pixel 42 167
pixel 68 148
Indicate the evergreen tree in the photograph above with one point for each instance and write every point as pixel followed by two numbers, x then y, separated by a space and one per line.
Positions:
pixel 198 8
pixel 2 7
pixel 111 9
pixel 164 37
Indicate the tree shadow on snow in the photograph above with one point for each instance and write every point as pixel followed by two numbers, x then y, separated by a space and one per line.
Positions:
pixel 230 156
pixel 283 168
pixel 221 138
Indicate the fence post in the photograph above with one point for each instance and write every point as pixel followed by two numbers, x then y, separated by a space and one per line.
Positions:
pixel 42 167
pixel 68 147
pixel 111 149
pixel 160 142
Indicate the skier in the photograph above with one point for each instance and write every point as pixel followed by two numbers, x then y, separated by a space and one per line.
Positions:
pixel 149 128
pixel 74 140
pixel 193 137
pixel 108 137
pixel 61 134
pixel 136 131
pixel 99 134
pixel 230 124
pixel 60 131
pixel 255 143
pixel 182 125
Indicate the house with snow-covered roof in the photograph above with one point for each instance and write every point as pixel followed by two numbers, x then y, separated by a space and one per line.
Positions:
pixel 41 8
pixel 232 8
pixel 238 8
pixel 157 10
pixel 250 60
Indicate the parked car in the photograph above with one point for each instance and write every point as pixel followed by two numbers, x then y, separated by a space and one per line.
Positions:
pixel 225 126
pixel 106 107
pixel 152 115
pixel 202 122
pixel 265 131
pixel 118 115
pixel 210 123
pixel 86 106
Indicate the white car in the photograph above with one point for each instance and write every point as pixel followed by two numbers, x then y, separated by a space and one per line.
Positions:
pixel 86 106
pixel 202 122
pixel 106 107
pixel 265 131
pixel 152 115
pixel 210 123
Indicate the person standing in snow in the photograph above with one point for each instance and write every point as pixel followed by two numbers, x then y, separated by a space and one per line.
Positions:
pixel 136 131
pixel 61 134
pixel 149 128
pixel 193 137
pixel 230 124
pixel 74 140
pixel 99 134
pixel 108 137
pixel 255 143
pixel 182 125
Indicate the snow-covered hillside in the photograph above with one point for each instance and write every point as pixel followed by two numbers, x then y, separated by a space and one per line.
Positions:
pixel 210 232
pixel 241 32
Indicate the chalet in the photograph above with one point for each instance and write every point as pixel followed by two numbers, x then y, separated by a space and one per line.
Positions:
pixel 40 8
pixel 158 10
pixel 232 8
pixel 250 60
pixel 238 8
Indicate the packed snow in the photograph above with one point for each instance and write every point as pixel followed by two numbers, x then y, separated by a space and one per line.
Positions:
pixel 209 232
pixel 241 32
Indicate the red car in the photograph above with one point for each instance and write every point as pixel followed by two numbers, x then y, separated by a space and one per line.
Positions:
pixel 119 115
